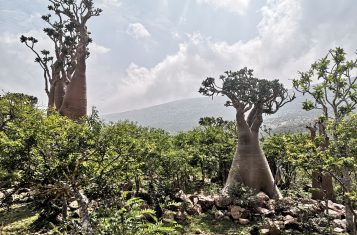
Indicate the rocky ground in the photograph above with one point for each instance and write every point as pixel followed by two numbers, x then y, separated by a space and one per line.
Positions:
pixel 273 217
pixel 259 213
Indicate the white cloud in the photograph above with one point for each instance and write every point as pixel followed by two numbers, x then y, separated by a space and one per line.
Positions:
pixel 138 31
pixel 96 50
pixel 110 3
pixel 8 38
pixel 290 36
pixel 238 6
pixel 283 46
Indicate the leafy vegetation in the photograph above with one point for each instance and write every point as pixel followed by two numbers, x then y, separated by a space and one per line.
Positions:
pixel 61 162
pixel 64 172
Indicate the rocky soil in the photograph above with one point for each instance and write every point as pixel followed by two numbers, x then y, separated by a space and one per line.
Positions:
pixel 273 216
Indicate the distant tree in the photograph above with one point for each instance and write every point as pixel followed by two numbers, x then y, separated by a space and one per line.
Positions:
pixel 279 149
pixel 248 94
pixel 65 72
pixel 216 144
pixel 336 95
pixel 345 160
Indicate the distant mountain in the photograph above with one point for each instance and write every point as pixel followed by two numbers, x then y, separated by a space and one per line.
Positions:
pixel 183 115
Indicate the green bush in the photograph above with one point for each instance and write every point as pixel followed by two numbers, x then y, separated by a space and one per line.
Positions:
pixel 242 195
pixel 132 219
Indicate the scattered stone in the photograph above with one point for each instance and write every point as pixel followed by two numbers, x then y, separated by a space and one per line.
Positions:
pixel 335 214
pixel 222 201
pixel 23 197
pixel 180 215
pixel 243 221
pixel 93 205
pixel 194 200
pixel 264 211
pixel 73 205
pixel 262 199
pixel 333 206
pixel 319 222
pixel 193 197
pixel 246 214
pixel 294 212
pixel 9 191
pixel 180 195
pixel 59 218
pixel 271 204
pixel 284 204
pixel 291 223
pixel 263 196
pixel 338 230
pixel 288 217
pixel 218 214
pixel 264 231
pixel 194 210
pixel 341 223
pixel 2 195
pixel 338 206
pixel 310 207
pixel 274 229
pixel 279 223
pixel 236 212
pixel 308 201
pixel 206 202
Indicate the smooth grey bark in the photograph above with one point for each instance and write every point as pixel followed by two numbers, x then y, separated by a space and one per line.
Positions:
pixel 248 94
pixel 74 103
pixel 250 165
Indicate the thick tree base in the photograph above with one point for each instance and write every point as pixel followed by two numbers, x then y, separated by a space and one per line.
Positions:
pixel 253 171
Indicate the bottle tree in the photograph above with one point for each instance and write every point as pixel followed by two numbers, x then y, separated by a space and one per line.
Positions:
pixel 252 97
pixel 65 72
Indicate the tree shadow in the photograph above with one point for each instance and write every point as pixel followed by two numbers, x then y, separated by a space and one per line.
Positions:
pixel 208 224
pixel 18 217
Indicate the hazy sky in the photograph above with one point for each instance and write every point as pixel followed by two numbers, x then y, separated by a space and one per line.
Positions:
pixel 149 52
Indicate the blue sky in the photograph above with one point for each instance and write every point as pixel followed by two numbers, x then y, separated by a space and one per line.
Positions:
pixel 148 52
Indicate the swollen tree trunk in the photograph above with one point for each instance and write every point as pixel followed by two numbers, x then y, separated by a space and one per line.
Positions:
pixel 250 166
pixel 59 94
pixel 256 96
pixel 57 89
pixel 51 100
pixel 74 103
pixel 323 187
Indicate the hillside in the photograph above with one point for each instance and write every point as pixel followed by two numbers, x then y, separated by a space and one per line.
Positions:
pixel 183 115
